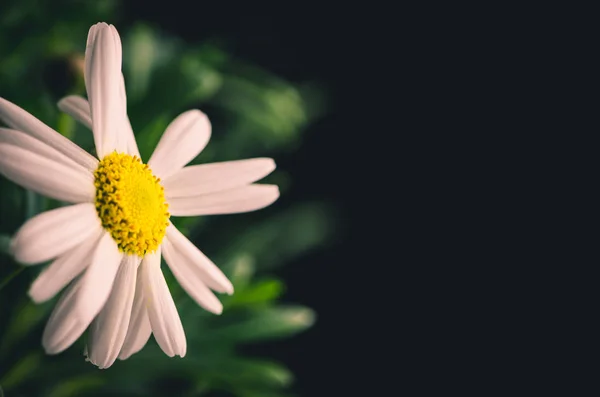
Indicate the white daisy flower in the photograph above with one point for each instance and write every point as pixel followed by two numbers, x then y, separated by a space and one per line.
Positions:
pixel 107 246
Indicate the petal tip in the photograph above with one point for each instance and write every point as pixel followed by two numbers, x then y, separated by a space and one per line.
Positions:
pixel 50 348
pixel 272 163
pixel 36 296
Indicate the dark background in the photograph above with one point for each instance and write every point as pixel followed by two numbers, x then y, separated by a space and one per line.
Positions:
pixel 307 44
pixel 457 117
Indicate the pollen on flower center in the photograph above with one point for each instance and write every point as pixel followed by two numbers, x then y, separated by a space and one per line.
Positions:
pixel 130 201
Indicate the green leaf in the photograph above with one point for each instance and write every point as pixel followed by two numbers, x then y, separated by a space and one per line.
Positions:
pixel 33 204
pixel 266 323
pixel 240 270
pixel 148 137
pixel 26 317
pixel 261 393
pixel 258 293
pixel 11 276
pixel 187 224
pixel 176 87
pixel 66 125
pixel 24 367
pixel 144 51
pixel 284 236
pixel 75 386
pixel 252 373
pixel 5 243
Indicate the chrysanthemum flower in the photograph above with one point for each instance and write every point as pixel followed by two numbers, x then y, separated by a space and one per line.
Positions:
pixel 107 246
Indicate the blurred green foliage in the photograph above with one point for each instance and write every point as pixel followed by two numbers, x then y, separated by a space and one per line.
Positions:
pixel 253 114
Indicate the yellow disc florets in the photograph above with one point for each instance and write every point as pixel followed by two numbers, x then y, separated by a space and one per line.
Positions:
pixel 131 203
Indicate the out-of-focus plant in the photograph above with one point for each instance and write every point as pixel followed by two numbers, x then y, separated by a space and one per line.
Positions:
pixel 253 114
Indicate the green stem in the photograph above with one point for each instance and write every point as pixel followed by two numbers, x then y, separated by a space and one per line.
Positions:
pixel 11 276
pixel 4 244
pixel 31 204
pixel 32 208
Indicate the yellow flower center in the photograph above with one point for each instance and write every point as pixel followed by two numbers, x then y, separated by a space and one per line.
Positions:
pixel 131 203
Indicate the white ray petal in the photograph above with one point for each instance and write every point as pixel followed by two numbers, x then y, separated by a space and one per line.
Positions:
pixel 91 40
pixel 215 177
pixel 183 140
pixel 97 281
pixel 108 330
pixel 78 108
pixel 64 327
pixel 29 143
pixel 139 329
pixel 164 319
pixel 190 279
pixel 127 131
pixel 18 119
pixel 46 176
pixel 64 269
pixel 103 63
pixel 186 254
pixel 54 232
pixel 232 201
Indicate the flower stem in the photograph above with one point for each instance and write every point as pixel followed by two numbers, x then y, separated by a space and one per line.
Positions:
pixel 32 204
pixel 11 276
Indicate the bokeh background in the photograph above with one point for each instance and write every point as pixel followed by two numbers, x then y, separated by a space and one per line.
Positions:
pixel 282 82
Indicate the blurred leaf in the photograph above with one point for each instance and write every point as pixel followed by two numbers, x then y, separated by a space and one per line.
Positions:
pixel 144 51
pixel 186 224
pixel 261 393
pixel 66 125
pixel 260 292
pixel 148 137
pixel 21 370
pixel 74 387
pixel 25 318
pixel 241 271
pixel 252 373
pixel 266 323
pixel 33 204
pixel 5 243
pixel 284 236
pixel 175 87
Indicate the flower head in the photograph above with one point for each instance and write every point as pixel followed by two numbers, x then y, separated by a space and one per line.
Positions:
pixel 106 247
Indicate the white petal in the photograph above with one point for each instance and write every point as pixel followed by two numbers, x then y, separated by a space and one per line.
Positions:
pixel 29 143
pixel 64 269
pixel 91 40
pixel 126 131
pixel 97 281
pixel 63 327
pixel 164 319
pixel 215 177
pixel 183 140
pixel 54 232
pixel 139 329
pixel 19 119
pixel 242 199
pixel 190 279
pixel 46 176
pixel 103 63
pixel 108 330
pixel 78 108
pixel 185 254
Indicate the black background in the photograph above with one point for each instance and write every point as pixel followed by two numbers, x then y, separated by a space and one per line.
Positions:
pixel 304 42
pixel 460 118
